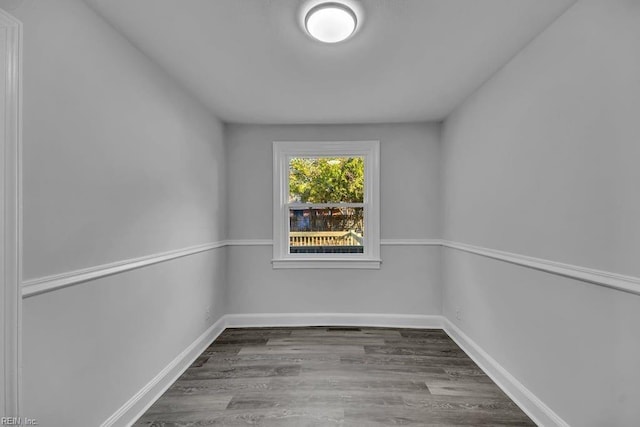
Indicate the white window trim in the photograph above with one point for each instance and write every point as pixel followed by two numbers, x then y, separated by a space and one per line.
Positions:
pixel 282 152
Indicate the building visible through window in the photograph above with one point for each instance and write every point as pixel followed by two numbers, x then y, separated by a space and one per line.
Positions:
pixel 326 205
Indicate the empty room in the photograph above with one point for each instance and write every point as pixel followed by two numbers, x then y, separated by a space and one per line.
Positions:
pixel 320 213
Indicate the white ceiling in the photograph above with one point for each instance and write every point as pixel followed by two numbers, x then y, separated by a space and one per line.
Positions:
pixel 250 61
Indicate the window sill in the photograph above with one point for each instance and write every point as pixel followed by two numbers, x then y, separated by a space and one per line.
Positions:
pixel 362 264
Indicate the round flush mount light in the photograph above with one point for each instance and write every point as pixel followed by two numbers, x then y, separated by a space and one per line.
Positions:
pixel 330 22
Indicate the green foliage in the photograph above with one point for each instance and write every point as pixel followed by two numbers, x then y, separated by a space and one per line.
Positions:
pixel 327 179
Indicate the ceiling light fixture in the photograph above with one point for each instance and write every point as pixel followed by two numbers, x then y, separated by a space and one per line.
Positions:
pixel 330 22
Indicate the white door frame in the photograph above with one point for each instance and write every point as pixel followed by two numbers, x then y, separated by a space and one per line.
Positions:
pixel 10 213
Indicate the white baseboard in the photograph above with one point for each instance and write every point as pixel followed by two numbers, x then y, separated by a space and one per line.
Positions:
pixel 333 319
pixel 143 399
pixel 540 413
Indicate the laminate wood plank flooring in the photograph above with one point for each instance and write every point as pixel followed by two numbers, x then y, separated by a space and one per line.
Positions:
pixel 333 376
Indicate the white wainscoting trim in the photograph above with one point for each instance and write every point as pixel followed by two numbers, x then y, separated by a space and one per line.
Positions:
pixel 138 404
pixel 411 242
pixel 540 413
pixel 57 281
pixel 333 319
pixel 250 242
pixel 598 277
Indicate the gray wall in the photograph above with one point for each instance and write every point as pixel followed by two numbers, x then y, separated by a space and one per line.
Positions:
pixel 408 281
pixel 121 163
pixel 118 163
pixel 543 161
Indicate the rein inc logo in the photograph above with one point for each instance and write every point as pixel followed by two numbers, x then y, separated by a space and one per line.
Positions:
pixel 18 421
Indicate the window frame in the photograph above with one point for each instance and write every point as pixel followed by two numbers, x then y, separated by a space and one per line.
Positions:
pixel 283 151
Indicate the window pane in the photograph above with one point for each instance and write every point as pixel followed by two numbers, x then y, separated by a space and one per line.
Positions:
pixel 327 230
pixel 326 180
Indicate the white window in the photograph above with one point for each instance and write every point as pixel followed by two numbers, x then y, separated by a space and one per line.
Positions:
pixel 326 204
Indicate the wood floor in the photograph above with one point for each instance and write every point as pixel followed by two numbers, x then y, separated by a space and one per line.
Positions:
pixel 326 376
